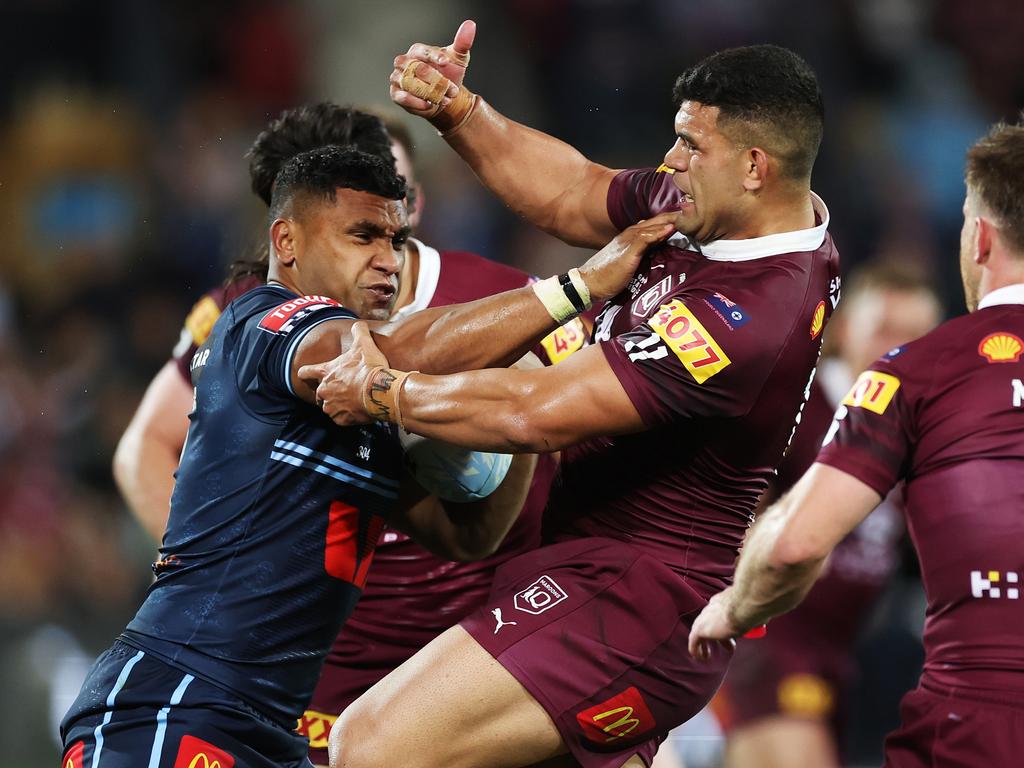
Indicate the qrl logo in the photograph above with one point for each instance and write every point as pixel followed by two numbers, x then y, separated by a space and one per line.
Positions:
pixel 987 585
pixel 540 596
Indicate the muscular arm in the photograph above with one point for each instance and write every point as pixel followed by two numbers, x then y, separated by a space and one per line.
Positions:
pixel 464 532
pixel 515 411
pixel 542 179
pixel 496 330
pixel 147 454
pixel 785 550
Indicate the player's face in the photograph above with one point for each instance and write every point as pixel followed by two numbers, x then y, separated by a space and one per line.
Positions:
pixel 880 319
pixel 708 170
pixel 351 250
pixel 970 270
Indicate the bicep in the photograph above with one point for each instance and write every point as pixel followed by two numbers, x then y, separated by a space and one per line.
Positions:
pixel 581 216
pixel 320 344
pixel 580 398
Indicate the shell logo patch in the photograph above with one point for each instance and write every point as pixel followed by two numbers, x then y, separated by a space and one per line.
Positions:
pixel 818 320
pixel 664 169
pixel 201 319
pixel 1001 347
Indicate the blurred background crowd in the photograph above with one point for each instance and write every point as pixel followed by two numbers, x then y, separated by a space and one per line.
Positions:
pixel 124 195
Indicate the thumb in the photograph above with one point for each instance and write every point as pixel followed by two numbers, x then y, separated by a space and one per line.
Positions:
pixel 464 37
pixel 314 372
pixel 361 334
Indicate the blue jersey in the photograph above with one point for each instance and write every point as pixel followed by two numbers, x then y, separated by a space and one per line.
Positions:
pixel 274 517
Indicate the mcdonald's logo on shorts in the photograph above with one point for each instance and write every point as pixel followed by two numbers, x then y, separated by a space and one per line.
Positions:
pixel 196 753
pixel 624 716
pixel 73 758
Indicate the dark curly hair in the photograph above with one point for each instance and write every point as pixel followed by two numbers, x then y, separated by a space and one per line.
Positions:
pixel 308 127
pixel 319 172
pixel 766 96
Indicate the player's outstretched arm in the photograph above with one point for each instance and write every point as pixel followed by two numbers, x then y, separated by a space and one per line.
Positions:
pixel 496 330
pixel 784 552
pixel 147 454
pixel 469 531
pixel 544 180
pixel 509 411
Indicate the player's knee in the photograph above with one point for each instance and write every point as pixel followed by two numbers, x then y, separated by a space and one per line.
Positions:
pixel 356 741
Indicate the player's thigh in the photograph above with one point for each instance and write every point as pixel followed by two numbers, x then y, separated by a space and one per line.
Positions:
pixel 781 742
pixel 452 705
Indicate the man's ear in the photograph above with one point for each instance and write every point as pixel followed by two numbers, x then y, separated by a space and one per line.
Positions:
pixel 284 234
pixel 756 171
pixel 984 234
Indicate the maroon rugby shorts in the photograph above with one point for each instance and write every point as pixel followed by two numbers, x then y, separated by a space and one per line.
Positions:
pixel 596 630
pixel 938 729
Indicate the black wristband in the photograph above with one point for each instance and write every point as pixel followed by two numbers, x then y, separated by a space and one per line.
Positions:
pixel 571 293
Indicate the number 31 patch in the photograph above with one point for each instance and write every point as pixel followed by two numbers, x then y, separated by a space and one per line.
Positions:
pixel 873 390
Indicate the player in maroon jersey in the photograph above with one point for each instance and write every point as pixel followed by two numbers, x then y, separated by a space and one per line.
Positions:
pixel 698 371
pixel 782 702
pixel 945 414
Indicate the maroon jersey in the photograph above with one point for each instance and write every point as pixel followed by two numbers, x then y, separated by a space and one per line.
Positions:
pixel 201 318
pixel 946 414
pixel 715 346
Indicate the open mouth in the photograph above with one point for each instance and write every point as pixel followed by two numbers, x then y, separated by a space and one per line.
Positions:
pixel 382 293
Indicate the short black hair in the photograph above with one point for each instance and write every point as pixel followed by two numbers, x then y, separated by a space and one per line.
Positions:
pixel 308 127
pixel 765 94
pixel 319 172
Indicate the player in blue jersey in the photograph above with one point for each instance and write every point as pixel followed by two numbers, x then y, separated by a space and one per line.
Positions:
pixel 276 511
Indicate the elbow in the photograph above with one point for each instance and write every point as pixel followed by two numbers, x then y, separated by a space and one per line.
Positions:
pixel 530 423
pixel 795 553
pixel 125 459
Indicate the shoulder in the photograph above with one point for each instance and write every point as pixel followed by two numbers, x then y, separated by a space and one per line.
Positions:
pixel 467 276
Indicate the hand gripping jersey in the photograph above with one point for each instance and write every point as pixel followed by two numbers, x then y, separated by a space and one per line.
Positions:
pixel 274 516
pixel 715 346
pixel 946 414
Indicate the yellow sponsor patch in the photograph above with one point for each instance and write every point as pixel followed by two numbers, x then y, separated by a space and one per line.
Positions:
pixel 693 345
pixel 200 320
pixel 872 390
pixel 805 695
pixel 316 726
pixel 565 340
pixel 664 169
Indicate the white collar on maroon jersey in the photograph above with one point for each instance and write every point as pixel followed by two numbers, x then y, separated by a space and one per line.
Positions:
pixel 758 247
pixel 426 279
pixel 1008 294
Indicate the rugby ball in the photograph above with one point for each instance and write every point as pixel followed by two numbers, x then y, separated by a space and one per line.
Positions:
pixel 451 472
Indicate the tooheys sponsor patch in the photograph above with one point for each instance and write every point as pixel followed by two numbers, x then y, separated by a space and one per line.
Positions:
pixel 282 318
pixel 684 334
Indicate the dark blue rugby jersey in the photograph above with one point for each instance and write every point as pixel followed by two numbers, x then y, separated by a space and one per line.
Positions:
pixel 274 517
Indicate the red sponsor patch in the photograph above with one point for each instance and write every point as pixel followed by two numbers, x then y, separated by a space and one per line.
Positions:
pixel 282 318
pixel 73 758
pixel 623 716
pixel 196 753
pixel 347 554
